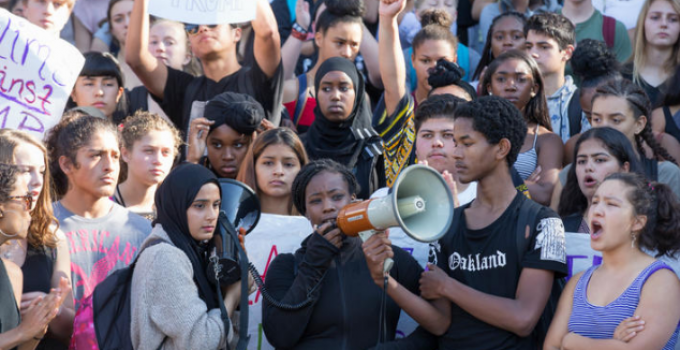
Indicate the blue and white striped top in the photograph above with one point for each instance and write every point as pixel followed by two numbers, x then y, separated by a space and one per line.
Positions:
pixel 599 322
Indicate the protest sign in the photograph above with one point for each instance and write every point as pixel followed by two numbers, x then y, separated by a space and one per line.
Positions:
pixel 273 235
pixel 37 74
pixel 204 11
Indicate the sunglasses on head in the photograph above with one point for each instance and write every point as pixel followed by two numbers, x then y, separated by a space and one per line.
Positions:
pixel 26 200
pixel 193 28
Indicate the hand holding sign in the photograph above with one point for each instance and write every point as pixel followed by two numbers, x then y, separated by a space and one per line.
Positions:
pixel 204 11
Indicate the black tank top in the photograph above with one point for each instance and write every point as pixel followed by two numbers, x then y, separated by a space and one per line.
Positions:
pixel 671 126
pixel 39 264
pixel 9 313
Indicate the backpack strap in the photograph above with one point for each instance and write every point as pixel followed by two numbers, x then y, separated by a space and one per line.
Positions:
pixel 528 211
pixel 608 30
pixel 574 112
pixel 302 98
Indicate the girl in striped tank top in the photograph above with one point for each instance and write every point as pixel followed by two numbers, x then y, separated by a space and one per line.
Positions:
pixel 631 300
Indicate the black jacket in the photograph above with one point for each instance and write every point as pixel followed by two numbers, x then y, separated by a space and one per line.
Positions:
pixel 346 307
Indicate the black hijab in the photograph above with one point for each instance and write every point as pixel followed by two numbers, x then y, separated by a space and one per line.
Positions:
pixel 173 198
pixel 345 140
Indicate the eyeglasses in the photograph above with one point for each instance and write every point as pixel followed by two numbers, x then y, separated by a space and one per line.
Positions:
pixel 27 200
pixel 192 29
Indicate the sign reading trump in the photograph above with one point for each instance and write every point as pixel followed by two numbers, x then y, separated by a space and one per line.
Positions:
pixel 204 11
pixel 37 73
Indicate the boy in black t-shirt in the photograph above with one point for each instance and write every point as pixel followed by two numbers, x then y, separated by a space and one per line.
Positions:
pixel 215 46
pixel 482 292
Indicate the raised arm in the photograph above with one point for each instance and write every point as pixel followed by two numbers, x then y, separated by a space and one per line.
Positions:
pixel 267 47
pixel 290 52
pixel 152 73
pixel 392 67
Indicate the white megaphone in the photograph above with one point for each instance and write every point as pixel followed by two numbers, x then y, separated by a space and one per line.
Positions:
pixel 420 202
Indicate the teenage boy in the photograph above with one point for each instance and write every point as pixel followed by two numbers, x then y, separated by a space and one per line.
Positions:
pixel 550 41
pixel 591 24
pixel 483 292
pixel 102 235
pixel 215 46
pixel 50 15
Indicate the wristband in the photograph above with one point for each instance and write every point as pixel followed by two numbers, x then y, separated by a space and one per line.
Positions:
pixel 298 32
pixel 297 35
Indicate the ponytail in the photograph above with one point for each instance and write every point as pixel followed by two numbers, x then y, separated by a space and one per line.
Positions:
pixel 657 201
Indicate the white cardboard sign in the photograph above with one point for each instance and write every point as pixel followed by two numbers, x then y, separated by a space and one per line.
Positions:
pixel 204 11
pixel 37 74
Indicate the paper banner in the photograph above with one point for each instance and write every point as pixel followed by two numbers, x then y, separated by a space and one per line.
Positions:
pixel 204 11
pixel 273 235
pixel 37 74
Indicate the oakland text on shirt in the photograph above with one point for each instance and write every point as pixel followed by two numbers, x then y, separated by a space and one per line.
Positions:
pixel 477 263
pixel 550 239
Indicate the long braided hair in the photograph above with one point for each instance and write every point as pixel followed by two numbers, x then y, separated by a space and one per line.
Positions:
pixel 641 106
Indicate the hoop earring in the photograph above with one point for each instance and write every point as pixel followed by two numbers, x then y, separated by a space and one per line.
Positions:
pixel 8 236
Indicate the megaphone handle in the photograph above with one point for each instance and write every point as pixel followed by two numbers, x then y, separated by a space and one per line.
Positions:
pixel 365 235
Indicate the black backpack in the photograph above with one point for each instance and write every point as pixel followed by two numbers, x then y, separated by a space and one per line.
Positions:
pixel 527 216
pixel 574 112
pixel 111 304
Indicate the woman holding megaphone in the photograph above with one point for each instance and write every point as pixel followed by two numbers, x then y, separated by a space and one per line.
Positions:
pixel 328 275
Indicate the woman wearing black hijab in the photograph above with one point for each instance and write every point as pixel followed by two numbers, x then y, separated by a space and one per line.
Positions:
pixel 173 303
pixel 342 128
pixel 227 129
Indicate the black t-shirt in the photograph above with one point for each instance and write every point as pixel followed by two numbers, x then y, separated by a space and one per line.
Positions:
pixel 182 89
pixel 487 260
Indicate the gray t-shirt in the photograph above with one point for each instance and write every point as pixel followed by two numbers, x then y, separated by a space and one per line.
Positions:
pixel 100 246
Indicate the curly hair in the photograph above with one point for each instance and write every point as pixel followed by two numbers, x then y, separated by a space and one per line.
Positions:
pixel 312 169
pixel 8 179
pixel 135 127
pixel 339 11
pixel 436 107
pixel 536 110
pixel 487 54
pixel 639 103
pixel 66 138
pixel 594 63
pixel 572 199
pixel 659 204
pixel 273 137
pixel 43 227
pixel 554 26
pixel 496 118
pixel 436 24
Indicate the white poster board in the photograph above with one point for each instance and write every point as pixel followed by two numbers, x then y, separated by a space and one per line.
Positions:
pixel 273 235
pixel 204 11
pixel 37 74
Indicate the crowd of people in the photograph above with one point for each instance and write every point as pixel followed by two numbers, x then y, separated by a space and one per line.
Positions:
pixel 543 117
